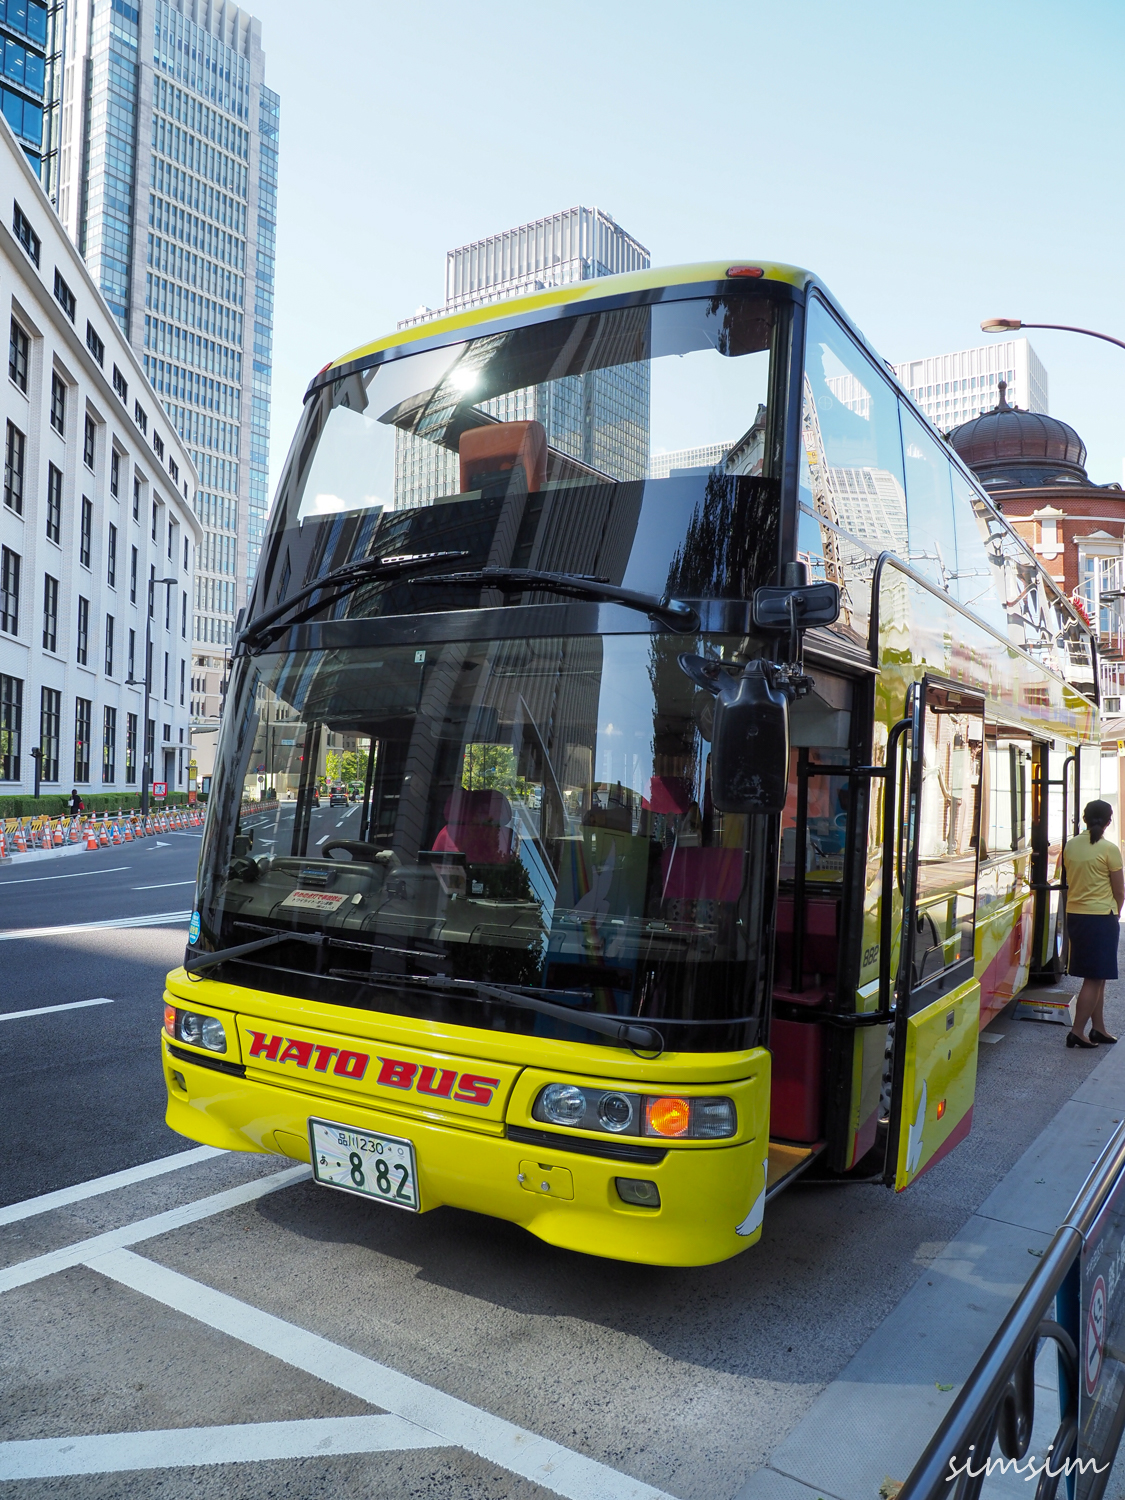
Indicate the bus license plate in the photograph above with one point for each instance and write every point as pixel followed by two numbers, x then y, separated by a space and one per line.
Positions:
pixel 360 1161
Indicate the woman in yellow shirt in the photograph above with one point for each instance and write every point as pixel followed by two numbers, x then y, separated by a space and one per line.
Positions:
pixel 1095 893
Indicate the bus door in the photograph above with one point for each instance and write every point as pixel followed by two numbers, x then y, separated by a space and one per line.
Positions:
pixel 1054 819
pixel 932 1064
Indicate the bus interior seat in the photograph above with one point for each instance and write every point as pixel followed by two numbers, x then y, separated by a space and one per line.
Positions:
pixel 699 874
pixel 478 825
pixel 490 455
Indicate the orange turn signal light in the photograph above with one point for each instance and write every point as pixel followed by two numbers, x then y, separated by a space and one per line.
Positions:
pixel 745 271
pixel 667 1117
pixel 940 1108
pixel 170 1019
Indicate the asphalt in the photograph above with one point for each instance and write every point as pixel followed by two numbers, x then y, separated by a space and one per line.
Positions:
pixel 684 1381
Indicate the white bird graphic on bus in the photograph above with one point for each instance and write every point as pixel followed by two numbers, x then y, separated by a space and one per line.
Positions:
pixel 914 1138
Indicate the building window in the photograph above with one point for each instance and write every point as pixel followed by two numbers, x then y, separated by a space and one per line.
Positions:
pixel 131 673
pixel 14 448
pixel 183 614
pixel 120 385
pixel 152 592
pixel 167 696
pixel 131 749
pixel 50 732
pixel 88 442
pixel 181 683
pixel 9 590
pixel 185 554
pixel 114 472
pixel 54 503
pixel 174 469
pixel 150 742
pixel 58 404
pixel 109 744
pixel 94 343
pixel 158 444
pixel 21 226
pixel 83 713
pixel 11 726
pixel 136 498
pixel 133 575
pixel 50 612
pixel 85 536
pixel 17 356
pixel 109 645
pixel 111 557
pixel 155 519
pixel 64 295
pixel 141 417
pixel 83 631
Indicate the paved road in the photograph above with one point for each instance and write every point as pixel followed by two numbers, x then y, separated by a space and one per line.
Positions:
pixel 335 1312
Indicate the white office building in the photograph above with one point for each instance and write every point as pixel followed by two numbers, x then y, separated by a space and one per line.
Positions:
pixel 954 388
pixel 98 534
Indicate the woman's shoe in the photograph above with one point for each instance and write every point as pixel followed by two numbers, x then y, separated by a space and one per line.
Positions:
pixel 1100 1036
pixel 1072 1040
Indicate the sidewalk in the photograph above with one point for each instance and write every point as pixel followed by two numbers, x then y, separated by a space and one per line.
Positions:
pixel 874 1420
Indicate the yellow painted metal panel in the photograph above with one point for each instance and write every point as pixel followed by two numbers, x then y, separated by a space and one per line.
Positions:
pixel 940 1080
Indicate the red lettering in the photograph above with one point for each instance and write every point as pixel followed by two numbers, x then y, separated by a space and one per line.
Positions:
pixel 298 1052
pixel 264 1046
pixel 399 1075
pixel 324 1056
pixel 474 1090
pixel 351 1064
pixel 443 1085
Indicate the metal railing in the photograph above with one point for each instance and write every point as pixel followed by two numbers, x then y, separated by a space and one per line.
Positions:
pixel 997 1402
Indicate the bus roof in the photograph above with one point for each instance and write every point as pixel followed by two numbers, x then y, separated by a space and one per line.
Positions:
pixel 575 292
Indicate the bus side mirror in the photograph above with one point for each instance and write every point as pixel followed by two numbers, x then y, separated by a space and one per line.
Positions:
pixel 778 609
pixel 750 737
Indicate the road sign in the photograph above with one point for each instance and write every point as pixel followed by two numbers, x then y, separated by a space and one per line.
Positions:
pixel 1094 1350
pixel 160 790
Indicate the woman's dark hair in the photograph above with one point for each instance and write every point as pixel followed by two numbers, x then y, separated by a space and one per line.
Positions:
pixel 1097 816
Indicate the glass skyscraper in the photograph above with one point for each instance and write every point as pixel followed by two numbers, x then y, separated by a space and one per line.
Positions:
pixel 27 31
pixel 167 182
pixel 600 419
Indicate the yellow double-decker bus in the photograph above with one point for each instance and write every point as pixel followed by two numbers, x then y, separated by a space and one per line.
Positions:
pixel 716 736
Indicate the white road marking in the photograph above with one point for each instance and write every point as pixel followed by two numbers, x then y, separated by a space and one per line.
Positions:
pixel 46 1010
pixel 78 875
pixel 26 1271
pixel 158 845
pixel 548 1464
pixel 181 1447
pixel 324 840
pixel 167 885
pixel 92 1188
pixel 158 919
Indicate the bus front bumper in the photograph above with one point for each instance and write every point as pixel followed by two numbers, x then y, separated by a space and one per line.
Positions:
pixel 711 1199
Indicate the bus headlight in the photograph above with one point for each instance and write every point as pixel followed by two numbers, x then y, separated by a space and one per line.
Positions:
pixel 196 1030
pixel 615 1112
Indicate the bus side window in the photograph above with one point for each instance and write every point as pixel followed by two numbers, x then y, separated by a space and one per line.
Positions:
pixel 929 506
pixel 980 564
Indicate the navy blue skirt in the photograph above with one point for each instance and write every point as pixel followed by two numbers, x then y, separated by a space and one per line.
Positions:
pixel 1093 945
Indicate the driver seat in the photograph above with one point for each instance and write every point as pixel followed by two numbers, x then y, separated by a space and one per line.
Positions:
pixel 478 825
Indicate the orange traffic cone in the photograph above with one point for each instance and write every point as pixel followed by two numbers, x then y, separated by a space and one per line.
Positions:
pixel 103 835
pixel 21 841
pixel 115 837
pixel 75 831
pixel 58 839
pixel 91 836
pixel 127 830
pixel 45 836
pixel 3 842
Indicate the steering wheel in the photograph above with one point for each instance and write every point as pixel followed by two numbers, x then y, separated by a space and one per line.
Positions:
pixel 357 850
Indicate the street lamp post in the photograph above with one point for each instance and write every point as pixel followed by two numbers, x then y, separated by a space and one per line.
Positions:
pixel 1013 325
pixel 146 764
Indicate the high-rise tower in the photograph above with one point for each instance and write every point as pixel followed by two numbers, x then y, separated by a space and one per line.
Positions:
pixel 167 182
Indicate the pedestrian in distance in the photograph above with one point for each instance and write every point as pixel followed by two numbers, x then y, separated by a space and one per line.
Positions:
pixel 75 803
pixel 1095 893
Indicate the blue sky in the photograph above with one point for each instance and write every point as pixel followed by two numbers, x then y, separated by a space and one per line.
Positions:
pixel 934 164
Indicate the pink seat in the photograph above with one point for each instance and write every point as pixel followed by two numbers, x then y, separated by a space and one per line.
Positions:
pixel 667 794
pixel 695 874
pixel 477 826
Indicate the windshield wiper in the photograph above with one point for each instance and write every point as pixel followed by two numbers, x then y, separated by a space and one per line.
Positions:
pixel 669 613
pixel 647 1038
pixel 199 962
pixel 264 628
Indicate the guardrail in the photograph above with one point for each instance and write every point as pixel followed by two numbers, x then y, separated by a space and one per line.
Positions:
pixel 1081 1277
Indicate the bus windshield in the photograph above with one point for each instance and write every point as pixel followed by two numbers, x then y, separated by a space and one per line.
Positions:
pixel 532 769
